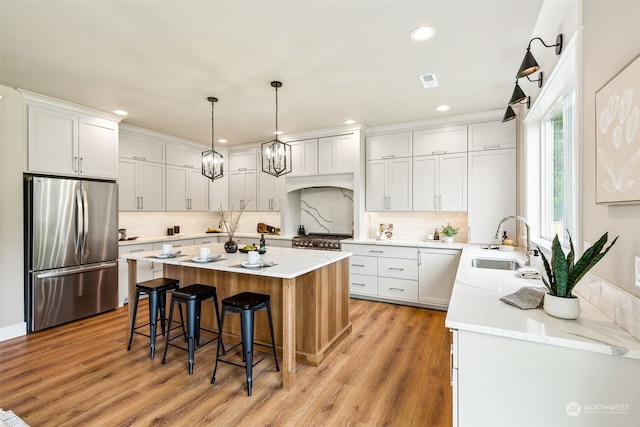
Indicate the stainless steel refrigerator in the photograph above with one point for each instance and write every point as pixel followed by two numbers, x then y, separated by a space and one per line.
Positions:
pixel 71 249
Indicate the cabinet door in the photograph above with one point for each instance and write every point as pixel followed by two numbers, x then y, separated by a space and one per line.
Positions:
pixel 151 184
pixel 243 160
pixel 399 190
pixel 144 269
pixel 127 185
pixel 187 157
pixel 389 146
pixel 98 148
pixel 304 157
pixel 375 187
pixel 440 141
pixel 437 274
pixel 219 193
pixel 425 183
pixel 197 190
pixel 492 135
pixel 336 154
pixel 492 193
pixel 453 182
pixel 250 190
pixel 140 147
pixel 176 184
pixel 269 192
pixel 52 141
pixel 242 190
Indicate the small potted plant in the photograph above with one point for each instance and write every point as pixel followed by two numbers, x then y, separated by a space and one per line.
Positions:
pixel 563 275
pixel 448 231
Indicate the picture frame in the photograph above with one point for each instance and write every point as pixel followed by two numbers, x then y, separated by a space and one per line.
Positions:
pixel 618 137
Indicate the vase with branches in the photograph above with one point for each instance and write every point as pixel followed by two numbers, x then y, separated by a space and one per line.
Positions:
pixel 231 226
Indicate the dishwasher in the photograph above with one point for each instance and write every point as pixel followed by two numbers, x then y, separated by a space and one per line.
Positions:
pixel 436 275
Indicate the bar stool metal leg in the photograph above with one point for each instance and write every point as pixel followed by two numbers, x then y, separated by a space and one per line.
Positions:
pixel 133 323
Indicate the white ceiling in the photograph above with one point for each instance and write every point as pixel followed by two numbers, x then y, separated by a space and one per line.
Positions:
pixel 159 60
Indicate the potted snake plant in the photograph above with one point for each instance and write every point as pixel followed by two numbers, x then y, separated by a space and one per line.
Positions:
pixel 563 274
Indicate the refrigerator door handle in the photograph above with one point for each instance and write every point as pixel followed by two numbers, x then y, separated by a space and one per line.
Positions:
pixel 75 270
pixel 79 221
pixel 85 224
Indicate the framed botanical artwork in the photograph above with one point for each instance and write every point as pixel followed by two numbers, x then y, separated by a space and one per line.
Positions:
pixel 618 137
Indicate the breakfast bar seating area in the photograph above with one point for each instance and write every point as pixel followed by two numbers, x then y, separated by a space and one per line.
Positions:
pixel 308 290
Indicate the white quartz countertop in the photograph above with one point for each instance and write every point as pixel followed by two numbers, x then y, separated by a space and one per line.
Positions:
pixel 475 306
pixel 440 244
pixel 288 263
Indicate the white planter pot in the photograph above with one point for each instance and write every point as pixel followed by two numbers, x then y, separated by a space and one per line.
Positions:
pixel 448 239
pixel 563 308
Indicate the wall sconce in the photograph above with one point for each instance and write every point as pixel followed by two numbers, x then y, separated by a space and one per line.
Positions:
pixel 518 95
pixel 510 114
pixel 529 64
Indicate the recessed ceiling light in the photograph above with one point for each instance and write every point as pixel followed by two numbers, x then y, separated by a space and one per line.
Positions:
pixel 222 141
pixel 349 122
pixel 120 112
pixel 422 33
pixel 443 108
pixel 279 132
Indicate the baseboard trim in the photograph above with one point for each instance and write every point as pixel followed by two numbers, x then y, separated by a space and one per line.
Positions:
pixel 13 331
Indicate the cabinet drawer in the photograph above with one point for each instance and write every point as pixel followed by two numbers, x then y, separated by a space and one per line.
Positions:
pixel 206 240
pixel 381 250
pixel 398 268
pixel 361 284
pixel 363 265
pixel 398 288
pixel 131 249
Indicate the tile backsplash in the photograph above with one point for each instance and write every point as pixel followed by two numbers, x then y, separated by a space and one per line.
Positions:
pixel 418 225
pixel 619 306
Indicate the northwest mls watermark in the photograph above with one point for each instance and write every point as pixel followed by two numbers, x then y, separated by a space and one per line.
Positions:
pixel 574 409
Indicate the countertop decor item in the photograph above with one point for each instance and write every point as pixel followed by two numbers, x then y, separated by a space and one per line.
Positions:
pixel 563 274
pixel 449 231
pixel 232 225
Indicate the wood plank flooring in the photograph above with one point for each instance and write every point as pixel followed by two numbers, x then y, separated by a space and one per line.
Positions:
pixel 393 370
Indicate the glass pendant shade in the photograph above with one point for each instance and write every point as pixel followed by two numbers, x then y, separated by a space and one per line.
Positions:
pixel 212 161
pixel 509 114
pixel 517 96
pixel 276 158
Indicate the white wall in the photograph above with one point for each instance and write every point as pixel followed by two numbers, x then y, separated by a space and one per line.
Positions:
pixel 11 240
pixel 611 39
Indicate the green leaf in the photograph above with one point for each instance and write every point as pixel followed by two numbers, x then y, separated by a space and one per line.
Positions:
pixel 589 259
pixel 551 283
pixel 572 254
pixel 560 267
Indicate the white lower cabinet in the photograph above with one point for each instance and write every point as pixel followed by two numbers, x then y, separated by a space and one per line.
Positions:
pixel 145 269
pixel 501 381
pixel 383 272
pixel 438 268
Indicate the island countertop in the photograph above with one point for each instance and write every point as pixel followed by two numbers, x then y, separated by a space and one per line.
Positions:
pixel 288 262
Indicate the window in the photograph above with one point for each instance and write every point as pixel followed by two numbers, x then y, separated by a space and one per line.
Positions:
pixel 552 173
pixel 557 170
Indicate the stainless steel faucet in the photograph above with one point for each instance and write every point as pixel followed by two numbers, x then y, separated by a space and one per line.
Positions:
pixel 528 252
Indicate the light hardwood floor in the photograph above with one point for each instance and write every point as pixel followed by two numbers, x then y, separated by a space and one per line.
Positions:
pixel 393 370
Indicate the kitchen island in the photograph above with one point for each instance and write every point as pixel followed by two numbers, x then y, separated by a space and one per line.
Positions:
pixel 309 292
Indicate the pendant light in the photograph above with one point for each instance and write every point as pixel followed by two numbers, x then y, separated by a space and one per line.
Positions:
pixel 212 161
pixel 276 155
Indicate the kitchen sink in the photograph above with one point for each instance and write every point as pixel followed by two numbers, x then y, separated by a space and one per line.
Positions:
pixel 496 264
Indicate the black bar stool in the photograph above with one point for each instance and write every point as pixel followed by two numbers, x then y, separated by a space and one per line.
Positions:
pixel 157 290
pixel 192 296
pixel 246 303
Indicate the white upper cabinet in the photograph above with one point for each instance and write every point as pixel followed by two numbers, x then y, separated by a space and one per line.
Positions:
pixel 242 189
pixel 388 185
pixel 141 185
pixel 304 157
pixel 270 190
pixel 184 156
pixel 492 135
pixel 186 189
pixel 141 147
pixel 71 143
pixel 336 154
pixel 219 193
pixel 243 160
pixel 440 182
pixel 389 146
pixel 440 141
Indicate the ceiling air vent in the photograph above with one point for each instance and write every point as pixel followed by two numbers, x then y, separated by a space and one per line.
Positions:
pixel 429 80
